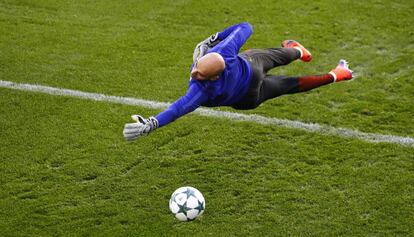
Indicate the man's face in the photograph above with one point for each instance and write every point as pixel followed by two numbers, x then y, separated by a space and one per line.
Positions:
pixel 198 73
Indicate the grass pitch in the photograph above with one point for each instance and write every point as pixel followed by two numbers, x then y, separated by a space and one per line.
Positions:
pixel 66 170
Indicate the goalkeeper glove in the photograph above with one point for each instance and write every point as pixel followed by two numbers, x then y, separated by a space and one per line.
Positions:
pixel 202 47
pixel 142 127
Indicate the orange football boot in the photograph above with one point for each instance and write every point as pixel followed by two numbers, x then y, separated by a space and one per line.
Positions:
pixel 306 56
pixel 342 71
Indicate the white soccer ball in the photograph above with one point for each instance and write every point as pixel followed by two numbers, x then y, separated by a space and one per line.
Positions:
pixel 187 203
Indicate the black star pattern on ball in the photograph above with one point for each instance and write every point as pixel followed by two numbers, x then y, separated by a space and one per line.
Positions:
pixel 190 193
pixel 183 208
pixel 200 206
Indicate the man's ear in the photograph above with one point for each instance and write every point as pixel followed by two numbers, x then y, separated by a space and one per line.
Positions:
pixel 192 73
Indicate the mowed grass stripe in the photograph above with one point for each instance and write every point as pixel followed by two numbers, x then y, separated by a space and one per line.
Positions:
pixel 309 127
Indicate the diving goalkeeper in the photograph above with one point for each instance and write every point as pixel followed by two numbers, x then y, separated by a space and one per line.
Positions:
pixel 221 76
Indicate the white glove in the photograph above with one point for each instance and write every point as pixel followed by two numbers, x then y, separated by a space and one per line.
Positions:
pixel 142 127
pixel 202 47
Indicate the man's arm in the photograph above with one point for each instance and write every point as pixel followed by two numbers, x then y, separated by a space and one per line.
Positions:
pixel 226 32
pixel 209 43
pixel 186 104
pixel 233 38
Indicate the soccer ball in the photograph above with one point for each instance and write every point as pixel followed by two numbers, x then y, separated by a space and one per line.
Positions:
pixel 187 203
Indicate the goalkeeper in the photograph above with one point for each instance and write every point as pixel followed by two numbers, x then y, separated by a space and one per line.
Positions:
pixel 221 76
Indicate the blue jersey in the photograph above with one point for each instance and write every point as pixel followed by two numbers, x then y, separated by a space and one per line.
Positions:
pixel 231 86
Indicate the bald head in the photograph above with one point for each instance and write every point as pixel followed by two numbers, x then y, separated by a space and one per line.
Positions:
pixel 208 67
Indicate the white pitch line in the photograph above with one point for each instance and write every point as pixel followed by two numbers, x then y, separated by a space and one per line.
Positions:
pixel 309 127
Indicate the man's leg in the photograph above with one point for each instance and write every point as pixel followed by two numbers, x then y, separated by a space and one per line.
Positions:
pixel 267 59
pixel 274 57
pixel 274 86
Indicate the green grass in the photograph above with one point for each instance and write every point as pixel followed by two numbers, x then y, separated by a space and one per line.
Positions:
pixel 66 170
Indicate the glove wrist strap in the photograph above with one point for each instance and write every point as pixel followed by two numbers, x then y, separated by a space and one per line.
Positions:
pixel 154 122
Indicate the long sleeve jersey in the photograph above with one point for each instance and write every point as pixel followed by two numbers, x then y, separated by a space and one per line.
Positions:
pixel 231 86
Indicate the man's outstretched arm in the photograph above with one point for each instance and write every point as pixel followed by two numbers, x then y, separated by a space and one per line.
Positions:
pixel 186 104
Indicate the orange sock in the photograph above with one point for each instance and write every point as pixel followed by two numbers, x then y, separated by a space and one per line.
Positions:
pixel 309 82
